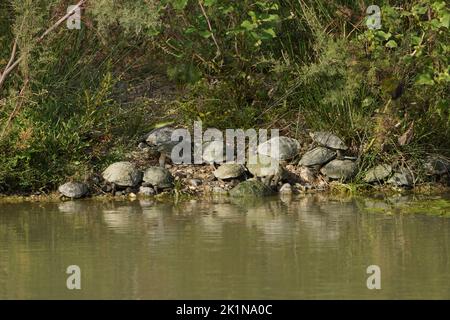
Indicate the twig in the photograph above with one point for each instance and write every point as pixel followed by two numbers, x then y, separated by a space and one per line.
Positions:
pixel 218 53
pixel 11 66
pixel 16 109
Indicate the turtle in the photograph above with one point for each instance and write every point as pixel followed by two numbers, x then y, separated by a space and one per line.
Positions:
pixel 160 140
pixel 285 148
pixel 215 152
pixel 73 190
pixel 317 156
pixel 378 173
pixel 331 141
pixel 339 169
pixel 267 169
pixel 229 171
pixel 158 178
pixel 122 174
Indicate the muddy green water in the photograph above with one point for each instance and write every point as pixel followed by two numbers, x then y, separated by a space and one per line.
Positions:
pixel 289 248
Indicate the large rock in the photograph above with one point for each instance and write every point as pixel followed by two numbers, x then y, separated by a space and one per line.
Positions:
pixel 284 148
pixel 74 190
pixel 339 169
pixel 251 188
pixel 123 174
pixel 229 171
pixel 317 156
pixel 158 177
pixel 402 178
pixel 378 173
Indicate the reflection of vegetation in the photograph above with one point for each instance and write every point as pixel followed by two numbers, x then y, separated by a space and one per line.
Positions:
pixel 434 207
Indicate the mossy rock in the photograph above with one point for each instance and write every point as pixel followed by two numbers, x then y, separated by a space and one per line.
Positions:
pixel 251 188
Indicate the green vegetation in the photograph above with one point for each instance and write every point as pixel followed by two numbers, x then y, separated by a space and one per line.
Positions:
pixel 80 98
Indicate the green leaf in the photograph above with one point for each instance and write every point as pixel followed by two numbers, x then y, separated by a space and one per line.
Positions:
pixel 179 4
pixel 248 25
pixel 270 32
pixel 209 3
pixel 205 34
pixel 425 79
pixel 391 44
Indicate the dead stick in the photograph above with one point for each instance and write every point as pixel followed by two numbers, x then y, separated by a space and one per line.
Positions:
pixel 10 68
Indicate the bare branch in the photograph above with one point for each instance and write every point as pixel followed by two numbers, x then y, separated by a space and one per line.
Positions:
pixel 11 66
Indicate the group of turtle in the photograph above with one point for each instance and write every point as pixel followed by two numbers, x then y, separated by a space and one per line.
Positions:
pixel 268 167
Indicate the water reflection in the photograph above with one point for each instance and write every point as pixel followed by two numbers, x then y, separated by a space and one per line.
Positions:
pixel 293 247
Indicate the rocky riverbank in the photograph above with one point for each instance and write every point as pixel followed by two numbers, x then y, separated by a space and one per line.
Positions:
pixel 319 165
pixel 324 165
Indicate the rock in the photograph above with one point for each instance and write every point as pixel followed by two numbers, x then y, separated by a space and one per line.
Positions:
pixel 195 182
pixel 287 148
pixel 146 191
pixel 158 177
pixel 286 189
pixel 229 171
pixel 251 188
pixel 378 173
pixel 437 165
pixel 339 169
pixel 403 178
pixel 219 190
pixel 307 175
pixel 215 151
pixel 74 190
pixel 123 174
pixel 317 156
pixel 329 140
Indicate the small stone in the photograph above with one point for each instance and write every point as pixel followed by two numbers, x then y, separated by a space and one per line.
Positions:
pixel 146 191
pixel 219 190
pixel 286 189
pixel 307 175
pixel 195 182
pixel 132 195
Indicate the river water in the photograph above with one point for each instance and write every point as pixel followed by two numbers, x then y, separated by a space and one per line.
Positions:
pixel 280 248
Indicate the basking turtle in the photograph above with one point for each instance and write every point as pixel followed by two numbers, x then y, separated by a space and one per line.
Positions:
pixel 158 178
pixel 160 140
pixel 229 171
pixel 286 148
pixel 122 174
pixel 317 156
pixel 267 169
pixel 73 190
pixel 215 152
pixel 329 140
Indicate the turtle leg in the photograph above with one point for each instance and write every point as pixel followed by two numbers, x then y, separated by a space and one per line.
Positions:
pixel 339 154
pixel 113 189
pixel 162 159
pixel 156 189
